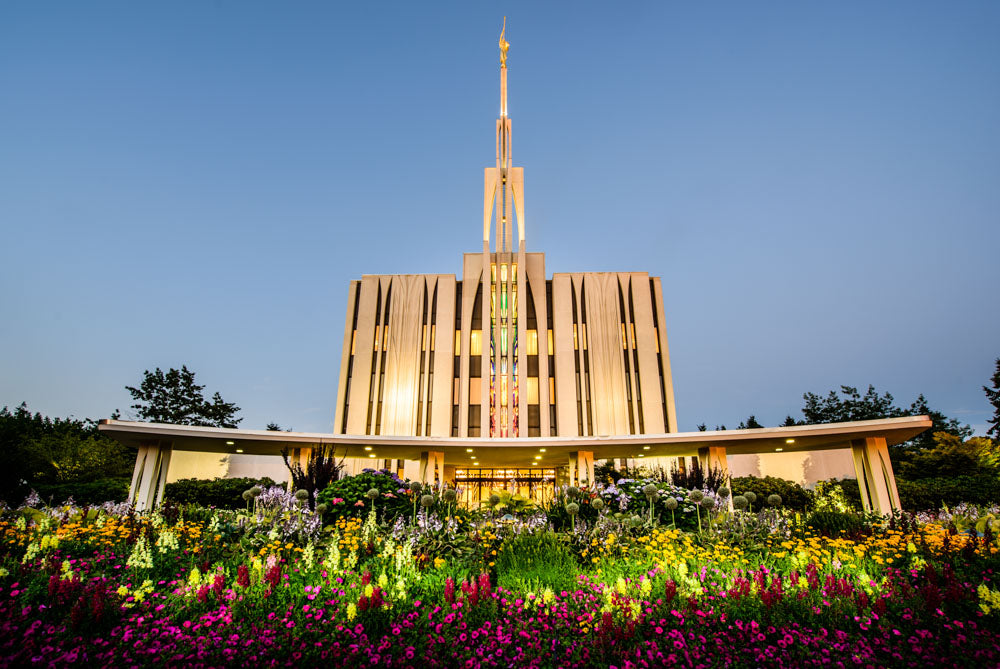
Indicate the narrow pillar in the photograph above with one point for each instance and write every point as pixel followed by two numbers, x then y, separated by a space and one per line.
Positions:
pixel 581 468
pixel 149 477
pixel 875 477
pixel 431 468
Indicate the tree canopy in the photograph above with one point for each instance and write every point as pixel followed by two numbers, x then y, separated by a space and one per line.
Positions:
pixel 993 395
pixel 174 397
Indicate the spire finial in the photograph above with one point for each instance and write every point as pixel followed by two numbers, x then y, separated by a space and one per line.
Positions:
pixel 503 44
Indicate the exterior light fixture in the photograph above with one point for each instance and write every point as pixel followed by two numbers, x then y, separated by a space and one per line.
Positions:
pixel 368 448
pixel 468 450
pixel 789 441
pixel 239 450
pixel 642 455
pixel 371 455
pixel 541 450
pixel 645 448
pixel 538 457
pixel 230 443
pixel 778 450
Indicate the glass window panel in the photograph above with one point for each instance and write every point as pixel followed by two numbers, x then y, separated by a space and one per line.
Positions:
pixel 475 389
pixel 458 342
pixel 552 390
pixel 551 347
pixel 476 342
pixel 532 390
pixel 532 345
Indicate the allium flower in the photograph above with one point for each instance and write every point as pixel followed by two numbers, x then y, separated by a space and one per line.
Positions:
pixel 427 501
pixel 598 504
pixel 372 493
pixel 707 503
pixel 740 502
pixel 724 492
pixel 302 495
pixel 572 508
pixel 670 503
pixel 774 500
pixel 449 495
pixel 696 496
pixel 750 496
pixel 416 486
pixel 649 490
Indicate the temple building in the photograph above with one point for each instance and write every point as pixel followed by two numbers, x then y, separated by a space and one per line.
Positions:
pixel 503 351
pixel 506 378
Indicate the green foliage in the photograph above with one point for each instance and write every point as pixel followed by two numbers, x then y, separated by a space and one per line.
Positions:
pixel 953 456
pixel 174 397
pixel 749 424
pixel 836 523
pixel 37 450
pixel 220 493
pixel 457 548
pixel 535 560
pixel 932 493
pixel 395 499
pixel 793 495
pixel 84 493
pixel 834 495
pixel 509 502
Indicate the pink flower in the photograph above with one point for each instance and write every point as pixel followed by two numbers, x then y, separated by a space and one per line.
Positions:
pixel 359 503
pixel 338 500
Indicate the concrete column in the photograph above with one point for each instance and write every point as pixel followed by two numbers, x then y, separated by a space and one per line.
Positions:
pixel 875 477
pixel 149 476
pixel 581 468
pixel 431 468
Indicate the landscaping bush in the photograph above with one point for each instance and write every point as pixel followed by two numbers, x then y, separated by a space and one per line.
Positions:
pixel 836 523
pixel 220 493
pixel 793 496
pixel 931 493
pixel 84 493
pixel 348 496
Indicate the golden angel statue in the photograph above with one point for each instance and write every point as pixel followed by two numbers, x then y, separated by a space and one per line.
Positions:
pixel 503 45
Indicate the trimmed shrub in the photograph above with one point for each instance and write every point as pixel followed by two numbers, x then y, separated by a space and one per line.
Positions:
pixel 220 493
pixel 931 493
pixel 793 495
pixel 88 493
pixel 835 523
pixel 342 497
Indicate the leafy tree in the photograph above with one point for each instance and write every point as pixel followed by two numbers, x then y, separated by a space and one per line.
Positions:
pixel 993 395
pixel 834 409
pixel 850 405
pixel 273 427
pixel 791 422
pixel 953 456
pixel 174 397
pixel 37 450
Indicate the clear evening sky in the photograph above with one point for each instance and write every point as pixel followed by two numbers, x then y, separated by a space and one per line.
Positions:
pixel 818 185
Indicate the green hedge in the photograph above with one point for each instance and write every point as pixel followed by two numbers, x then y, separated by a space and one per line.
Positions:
pixel 341 497
pixel 835 523
pixel 793 496
pixel 89 493
pixel 931 493
pixel 220 493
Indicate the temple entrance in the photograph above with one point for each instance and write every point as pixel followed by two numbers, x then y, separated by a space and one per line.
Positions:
pixel 475 485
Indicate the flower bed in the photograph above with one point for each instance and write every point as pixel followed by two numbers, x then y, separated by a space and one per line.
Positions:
pixel 273 586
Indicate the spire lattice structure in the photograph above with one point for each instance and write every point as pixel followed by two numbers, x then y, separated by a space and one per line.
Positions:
pixel 503 202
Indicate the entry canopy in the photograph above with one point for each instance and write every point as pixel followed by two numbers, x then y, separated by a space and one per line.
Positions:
pixel 522 452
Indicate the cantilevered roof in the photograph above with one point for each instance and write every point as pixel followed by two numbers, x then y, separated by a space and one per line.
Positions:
pixel 519 451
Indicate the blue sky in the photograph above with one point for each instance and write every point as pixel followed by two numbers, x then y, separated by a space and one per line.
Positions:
pixel 818 185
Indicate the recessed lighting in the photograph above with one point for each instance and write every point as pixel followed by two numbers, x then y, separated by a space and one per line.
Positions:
pixel 468 450
pixel 538 457
pixel 789 441
pixel 230 443
pixel 642 455
pixel 239 450
pixel 645 448
pixel 778 450
pixel 541 450
pixel 368 448
pixel 371 455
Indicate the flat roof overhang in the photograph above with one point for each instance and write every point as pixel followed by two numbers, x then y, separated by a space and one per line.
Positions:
pixel 522 451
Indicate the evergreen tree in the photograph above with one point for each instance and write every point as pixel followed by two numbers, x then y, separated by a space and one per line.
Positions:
pixel 993 395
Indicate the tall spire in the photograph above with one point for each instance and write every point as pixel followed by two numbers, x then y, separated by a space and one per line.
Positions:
pixel 503 314
pixel 504 180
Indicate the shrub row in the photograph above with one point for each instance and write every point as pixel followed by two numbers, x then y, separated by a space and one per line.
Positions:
pixel 220 493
